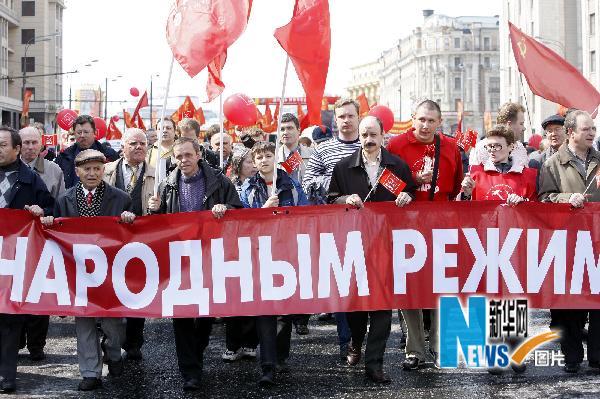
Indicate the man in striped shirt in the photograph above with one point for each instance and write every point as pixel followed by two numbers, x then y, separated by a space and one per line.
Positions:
pixel 327 154
pixel 318 176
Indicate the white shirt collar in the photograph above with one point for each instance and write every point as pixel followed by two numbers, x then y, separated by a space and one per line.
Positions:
pixel 86 191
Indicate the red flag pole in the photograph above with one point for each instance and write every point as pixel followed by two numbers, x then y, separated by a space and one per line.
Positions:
pixel 159 162
pixel 285 72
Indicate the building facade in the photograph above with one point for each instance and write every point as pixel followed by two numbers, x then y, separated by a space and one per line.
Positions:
pixel 590 25
pixel 452 60
pixel 30 45
pixel 558 25
pixel 365 80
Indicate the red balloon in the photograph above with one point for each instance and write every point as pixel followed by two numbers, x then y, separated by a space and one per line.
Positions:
pixel 240 110
pixel 115 118
pixel 134 91
pixel 100 128
pixel 65 118
pixel 385 115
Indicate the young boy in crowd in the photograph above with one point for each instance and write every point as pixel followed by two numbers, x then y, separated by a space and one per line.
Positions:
pixel 257 192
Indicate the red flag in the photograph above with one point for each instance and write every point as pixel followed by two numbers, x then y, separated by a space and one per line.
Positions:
pixel 214 84
pixel 292 163
pixel 364 104
pixel 136 119
pixel 128 120
pixel 391 182
pixel 550 76
pixel 49 139
pixel 268 116
pixel 260 119
pixel 466 140
pixel 26 99
pixel 200 31
pixel 113 132
pixel 303 118
pixel 199 116
pixel 141 104
pixel 272 125
pixel 185 110
pixel 307 41
pixel 139 122
pixel 276 113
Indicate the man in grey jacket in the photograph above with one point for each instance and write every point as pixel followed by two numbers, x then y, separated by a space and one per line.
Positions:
pixel 89 197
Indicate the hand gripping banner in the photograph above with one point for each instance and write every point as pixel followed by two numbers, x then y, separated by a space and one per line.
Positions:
pixel 300 260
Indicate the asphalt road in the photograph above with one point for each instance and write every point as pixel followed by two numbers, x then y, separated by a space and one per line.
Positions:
pixel 315 372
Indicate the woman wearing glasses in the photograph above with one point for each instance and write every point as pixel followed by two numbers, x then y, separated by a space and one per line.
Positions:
pixel 499 170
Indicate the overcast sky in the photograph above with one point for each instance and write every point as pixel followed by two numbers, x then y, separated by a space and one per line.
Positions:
pixel 128 39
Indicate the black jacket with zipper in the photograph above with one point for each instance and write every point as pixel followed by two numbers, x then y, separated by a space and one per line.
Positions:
pixel 350 177
pixel 218 190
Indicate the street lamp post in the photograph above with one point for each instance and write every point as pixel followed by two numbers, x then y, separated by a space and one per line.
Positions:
pixel 33 40
pixel 114 79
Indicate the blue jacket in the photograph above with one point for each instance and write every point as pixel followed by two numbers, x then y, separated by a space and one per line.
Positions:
pixel 254 191
pixel 30 190
pixel 66 160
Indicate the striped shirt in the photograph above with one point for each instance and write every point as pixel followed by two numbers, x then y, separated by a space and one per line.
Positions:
pixel 325 157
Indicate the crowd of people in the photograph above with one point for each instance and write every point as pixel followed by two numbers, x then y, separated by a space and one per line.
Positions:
pixel 90 179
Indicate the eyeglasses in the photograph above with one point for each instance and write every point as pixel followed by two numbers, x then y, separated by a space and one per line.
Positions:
pixel 493 147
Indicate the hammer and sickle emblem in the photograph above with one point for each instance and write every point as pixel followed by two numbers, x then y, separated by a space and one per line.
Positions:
pixel 522 47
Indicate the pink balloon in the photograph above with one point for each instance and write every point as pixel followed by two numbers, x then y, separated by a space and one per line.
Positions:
pixel 115 118
pixel 100 128
pixel 134 91
pixel 65 118
pixel 385 115
pixel 240 110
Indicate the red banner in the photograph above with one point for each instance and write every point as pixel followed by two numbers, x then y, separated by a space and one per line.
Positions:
pixel 300 260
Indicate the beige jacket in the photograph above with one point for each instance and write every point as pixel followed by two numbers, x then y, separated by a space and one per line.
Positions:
pixel 559 177
pixel 110 177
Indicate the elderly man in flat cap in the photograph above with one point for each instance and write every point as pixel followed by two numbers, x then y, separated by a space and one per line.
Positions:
pixel 91 196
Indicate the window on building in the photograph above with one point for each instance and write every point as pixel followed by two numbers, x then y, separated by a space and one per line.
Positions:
pixel 486 62
pixel 27 36
pixel 592 24
pixel 592 61
pixel 494 85
pixel 28 9
pixel 27 64
pixel 457 62
pixel 457 42
pixel 486 43
pixel 457 85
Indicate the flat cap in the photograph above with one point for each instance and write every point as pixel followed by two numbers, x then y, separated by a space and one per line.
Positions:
pixel 89 156
pixel 553 120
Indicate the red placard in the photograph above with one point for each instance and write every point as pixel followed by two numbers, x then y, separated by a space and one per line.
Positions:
pixel 292 163
pixel 391 182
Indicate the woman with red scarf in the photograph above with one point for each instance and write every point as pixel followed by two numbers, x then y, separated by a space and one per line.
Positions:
pixel 499 170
